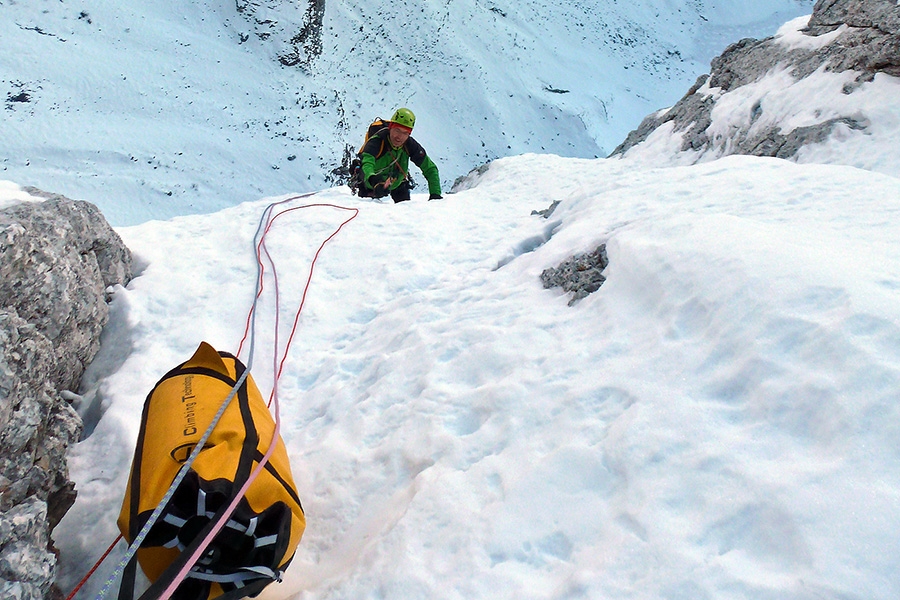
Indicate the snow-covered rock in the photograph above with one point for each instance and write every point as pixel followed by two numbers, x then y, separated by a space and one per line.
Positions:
pixel 817 91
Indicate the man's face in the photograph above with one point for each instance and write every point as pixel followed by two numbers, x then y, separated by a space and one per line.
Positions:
pixel 398 135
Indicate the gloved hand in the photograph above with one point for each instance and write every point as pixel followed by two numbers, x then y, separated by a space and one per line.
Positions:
pixel 435 197
pixel 380 188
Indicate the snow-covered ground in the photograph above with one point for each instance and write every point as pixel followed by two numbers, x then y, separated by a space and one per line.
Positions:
pixel 160 108
pixel 719 420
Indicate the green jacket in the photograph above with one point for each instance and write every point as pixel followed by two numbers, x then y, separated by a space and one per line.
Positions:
pixel 379 161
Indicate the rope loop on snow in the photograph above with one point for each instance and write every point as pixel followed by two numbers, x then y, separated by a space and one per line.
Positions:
pixel 263 258
pixel 278 365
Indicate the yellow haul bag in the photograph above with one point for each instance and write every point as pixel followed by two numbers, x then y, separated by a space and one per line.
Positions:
pixel 260 538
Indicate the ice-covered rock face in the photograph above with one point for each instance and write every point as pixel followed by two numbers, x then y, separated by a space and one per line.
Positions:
pixel 782 95
pixel 294 29
pixel 57 260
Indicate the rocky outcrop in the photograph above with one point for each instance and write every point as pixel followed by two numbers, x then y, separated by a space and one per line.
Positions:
pixel 862 36
pixel 58 259
pixel 294 29
pixel 580 275
pixel 880 15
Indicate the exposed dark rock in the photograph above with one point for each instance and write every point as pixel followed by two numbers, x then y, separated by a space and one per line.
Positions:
pixel 470 180
pixel 307 43
pixel 547 211
pixel 582 274
pixel 828 15
pixel 57 260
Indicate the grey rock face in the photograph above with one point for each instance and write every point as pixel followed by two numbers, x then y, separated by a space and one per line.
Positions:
pixel 582 274
pixel 57 259
pixel 24 557
pixel 868 43
pixel 16 590
pixel 870 14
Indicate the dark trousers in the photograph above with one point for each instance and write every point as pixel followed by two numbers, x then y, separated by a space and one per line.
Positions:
pixel 400 194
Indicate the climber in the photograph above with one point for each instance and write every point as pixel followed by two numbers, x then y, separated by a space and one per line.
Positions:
pixel 385 161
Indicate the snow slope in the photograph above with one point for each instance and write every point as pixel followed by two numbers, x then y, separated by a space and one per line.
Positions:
pixel 161 108
pixel 719 420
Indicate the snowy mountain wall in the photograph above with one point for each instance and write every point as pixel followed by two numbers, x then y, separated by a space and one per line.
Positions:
pixel 164 108
pixel 822 90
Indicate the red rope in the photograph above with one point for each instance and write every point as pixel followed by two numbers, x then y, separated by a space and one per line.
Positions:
pixel 262 249
pixel 262 267
pixel 312 267
pixel 94 568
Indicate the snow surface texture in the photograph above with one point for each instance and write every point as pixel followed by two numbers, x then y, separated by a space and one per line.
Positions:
pixel 857 119
pixel 719 420
pixel 159 108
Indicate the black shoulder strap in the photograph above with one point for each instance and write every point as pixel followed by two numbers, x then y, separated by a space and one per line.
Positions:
pixel 377 138
pixel 376 126
pixel 415 150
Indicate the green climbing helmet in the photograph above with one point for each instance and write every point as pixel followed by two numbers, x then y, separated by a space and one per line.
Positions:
pixel 405 117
